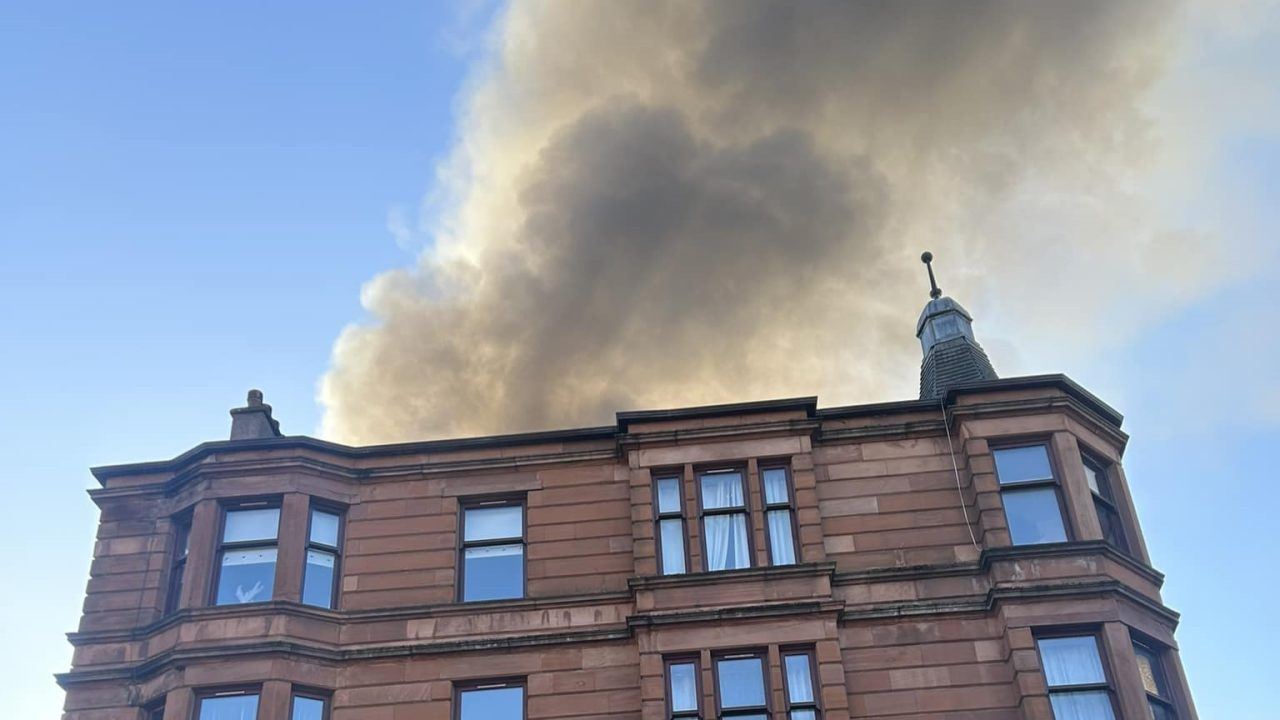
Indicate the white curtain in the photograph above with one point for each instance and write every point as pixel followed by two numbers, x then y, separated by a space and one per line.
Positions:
pixel 672 547
pixel 684 688
pixel 1071 661
pixel 726 534
pixel 799 679
pixel 727 542
pixel 782 549
pixel 1084 705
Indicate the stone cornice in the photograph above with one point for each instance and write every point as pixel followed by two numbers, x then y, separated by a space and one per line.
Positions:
pixel 293 609
pixel 721 577
pixel 987 602
pixel 329 654
pixel 993 555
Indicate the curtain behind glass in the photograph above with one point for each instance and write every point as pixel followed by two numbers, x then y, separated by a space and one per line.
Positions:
pixel 684 687
pixel 1071 661
pixel 1083 705
pixel 727 541
pixel 799 679
pixel 726 534
pixel 782 549
pixel 235 707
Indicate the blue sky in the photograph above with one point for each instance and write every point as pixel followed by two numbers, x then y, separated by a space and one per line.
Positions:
pixel 192 195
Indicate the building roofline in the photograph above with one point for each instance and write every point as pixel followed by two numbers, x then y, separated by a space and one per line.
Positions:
pixel 623 422
pixel 808 404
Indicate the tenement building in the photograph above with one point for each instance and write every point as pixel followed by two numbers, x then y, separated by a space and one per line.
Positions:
pixel 974 553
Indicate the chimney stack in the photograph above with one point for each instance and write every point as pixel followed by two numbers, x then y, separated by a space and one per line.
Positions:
pixel 254 421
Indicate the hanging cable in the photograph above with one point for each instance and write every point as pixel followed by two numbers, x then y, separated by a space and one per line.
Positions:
pixel 964 508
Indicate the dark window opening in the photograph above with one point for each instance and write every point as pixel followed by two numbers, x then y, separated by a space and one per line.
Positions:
pixel 178 565
pixel 1104 503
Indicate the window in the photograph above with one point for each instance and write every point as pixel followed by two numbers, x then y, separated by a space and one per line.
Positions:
pixel 779 515
pixel 309 706
pixel 229 705
pixel 668 507
pixel 798 678
pixel 154 711
pixel 324 555
pixel 493 550
pixel 740 687
pixel 1078 688
pixel 247 554
pixel 1104 503
pixel 1029 492
pixel 724 520
pixel 498 700
pixel 178 566
pixel 1155 681
pixel 683 687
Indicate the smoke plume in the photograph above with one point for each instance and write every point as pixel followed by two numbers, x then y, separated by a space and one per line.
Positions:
pixel 663 204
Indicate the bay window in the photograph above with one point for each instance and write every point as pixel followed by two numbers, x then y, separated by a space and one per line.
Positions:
pixel 246 567
pixel 1077 679
pixel 1029 492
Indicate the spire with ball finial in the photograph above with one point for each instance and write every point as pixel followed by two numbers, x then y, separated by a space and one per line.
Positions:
pixel 952 356
pixel 934 291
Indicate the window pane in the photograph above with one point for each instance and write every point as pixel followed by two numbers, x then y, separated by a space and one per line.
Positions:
pixel 493 573
pixel 782 549
pixel 804 715
pixel 324 528
pixel 245 525
pixel 1109 519
pixel 775 485
pixel 1160 711
pixel 727 542
pixel 1071 661
pixel 231 707
pixel 1033 516
pixel 494 523
pixel 1091 475
pixel 246 576
pixel 1149 670
pixel 722 490
pixel 799 679
pixel 317 581
pixel 505 703
pixel 669 495
pixel 684 687
pixel 1023 464
pixel 672 546
pixel 1083 705
pixel 305 708
pixel 741 682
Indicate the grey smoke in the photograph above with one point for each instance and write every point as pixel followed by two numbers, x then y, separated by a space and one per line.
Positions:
pixel 664 204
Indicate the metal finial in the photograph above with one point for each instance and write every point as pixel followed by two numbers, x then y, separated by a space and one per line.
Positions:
pixel 934 291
